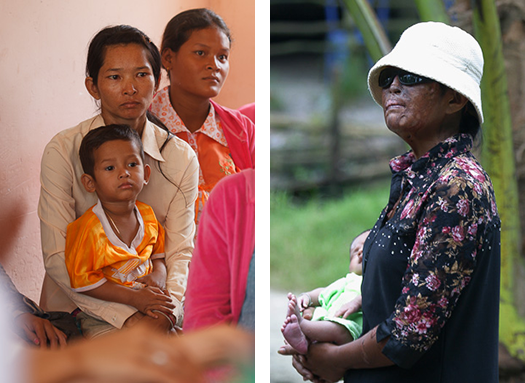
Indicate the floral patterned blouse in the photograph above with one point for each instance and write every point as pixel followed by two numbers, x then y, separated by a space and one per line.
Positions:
pixel 431 270
pixel 208 142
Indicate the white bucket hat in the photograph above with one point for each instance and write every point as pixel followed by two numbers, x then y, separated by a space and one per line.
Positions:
pixel 446 54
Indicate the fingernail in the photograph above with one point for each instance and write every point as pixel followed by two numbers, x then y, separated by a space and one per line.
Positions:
pixel 36 341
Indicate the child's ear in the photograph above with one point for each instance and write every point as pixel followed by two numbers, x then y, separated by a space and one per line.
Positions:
pixel 88 182
pixel 147 173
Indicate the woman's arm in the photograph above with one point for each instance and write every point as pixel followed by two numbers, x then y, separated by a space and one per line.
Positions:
pixel 145 300
pixel 329 362
pixel 179 224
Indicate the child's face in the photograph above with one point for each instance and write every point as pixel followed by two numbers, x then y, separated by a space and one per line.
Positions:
pixel 356 254
pixel 120 173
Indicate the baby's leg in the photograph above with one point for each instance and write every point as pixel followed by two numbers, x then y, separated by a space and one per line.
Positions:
pixel 326 331
pixel 293 334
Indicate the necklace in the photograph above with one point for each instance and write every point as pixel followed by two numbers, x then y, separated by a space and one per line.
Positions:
pixel 112 224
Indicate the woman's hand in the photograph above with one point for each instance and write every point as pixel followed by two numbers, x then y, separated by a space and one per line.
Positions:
pixel 320 363
pixel 152 298
pixel 350 308
pixel 39 331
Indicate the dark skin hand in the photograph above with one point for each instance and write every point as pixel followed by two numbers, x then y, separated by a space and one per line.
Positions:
pixel 40 331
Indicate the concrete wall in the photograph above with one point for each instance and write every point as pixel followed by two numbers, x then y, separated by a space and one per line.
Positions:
pixel 42 60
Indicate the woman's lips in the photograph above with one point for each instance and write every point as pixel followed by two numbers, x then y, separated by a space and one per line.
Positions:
pixel 393 105
pixel 130 104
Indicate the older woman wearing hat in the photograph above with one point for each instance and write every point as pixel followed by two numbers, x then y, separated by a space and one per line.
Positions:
pixel 430 292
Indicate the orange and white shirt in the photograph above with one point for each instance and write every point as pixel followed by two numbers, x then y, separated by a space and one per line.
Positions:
pixel 208 142
pixel 95 254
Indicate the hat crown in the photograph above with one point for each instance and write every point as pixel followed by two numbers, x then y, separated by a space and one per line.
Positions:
pixel 443 42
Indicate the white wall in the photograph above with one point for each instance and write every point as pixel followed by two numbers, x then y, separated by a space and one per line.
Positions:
pixel 43 48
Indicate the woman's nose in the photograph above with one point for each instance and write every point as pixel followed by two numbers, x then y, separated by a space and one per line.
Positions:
pixel 214 64
pixel 129 88
pixel 395 86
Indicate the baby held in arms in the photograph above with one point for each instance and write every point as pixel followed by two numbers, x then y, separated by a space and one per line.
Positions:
pixel 337 317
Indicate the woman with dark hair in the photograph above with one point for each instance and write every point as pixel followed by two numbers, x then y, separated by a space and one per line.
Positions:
pixel 195 52
pixel 431 264
pixel 122 74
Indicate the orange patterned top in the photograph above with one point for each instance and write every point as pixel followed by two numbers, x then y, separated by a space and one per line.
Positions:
pixel 94 253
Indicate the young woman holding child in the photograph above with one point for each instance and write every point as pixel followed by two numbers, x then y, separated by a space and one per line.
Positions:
pixel 195 52
pixel 122 74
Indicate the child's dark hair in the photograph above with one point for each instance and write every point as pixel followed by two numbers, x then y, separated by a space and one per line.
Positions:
pixel 96 137
pixel 180 27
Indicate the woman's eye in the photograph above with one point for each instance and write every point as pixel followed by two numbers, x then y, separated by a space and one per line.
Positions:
pixel 113 77
pixel 223 58
pixel 200 53
pixel 143 74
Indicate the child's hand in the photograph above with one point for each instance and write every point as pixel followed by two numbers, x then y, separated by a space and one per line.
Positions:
pixel 350 308
pixel 152 298
pixel 154 279
pixel 157 278
pixel 304 301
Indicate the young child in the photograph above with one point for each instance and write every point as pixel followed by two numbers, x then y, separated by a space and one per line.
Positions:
pixel 327 323
pixel 115 250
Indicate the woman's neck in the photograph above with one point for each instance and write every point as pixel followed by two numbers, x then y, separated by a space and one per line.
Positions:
pixel 192 110
pixel 135 124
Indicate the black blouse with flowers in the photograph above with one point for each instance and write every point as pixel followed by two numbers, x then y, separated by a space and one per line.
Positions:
pixel 431 271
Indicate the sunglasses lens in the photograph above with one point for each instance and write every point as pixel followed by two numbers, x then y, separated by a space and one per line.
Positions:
pixel 410 79
pixel 387 76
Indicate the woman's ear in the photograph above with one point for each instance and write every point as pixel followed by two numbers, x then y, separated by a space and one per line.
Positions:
pixel 167 58
pixel 92 88
pixel 88 182
pixel 457 102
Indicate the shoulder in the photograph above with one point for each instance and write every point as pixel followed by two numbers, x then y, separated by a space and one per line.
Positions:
pixel 72 137
pixel 161 101
pixel 85 223
pixel 464 170
pixel 464 179
pixel 233 120
pixel 173 148
pixel 145 210
pixel 241 185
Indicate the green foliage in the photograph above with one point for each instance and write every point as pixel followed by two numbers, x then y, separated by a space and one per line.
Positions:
pixel 310 241
pixel 498 161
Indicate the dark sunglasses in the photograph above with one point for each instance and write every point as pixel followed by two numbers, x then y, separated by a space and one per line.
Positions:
pixel 387 76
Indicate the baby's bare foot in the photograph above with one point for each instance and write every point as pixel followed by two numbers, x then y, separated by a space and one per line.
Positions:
pixel 294 335
pixel 293 307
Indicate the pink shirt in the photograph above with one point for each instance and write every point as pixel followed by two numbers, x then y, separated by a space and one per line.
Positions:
pixel 224 248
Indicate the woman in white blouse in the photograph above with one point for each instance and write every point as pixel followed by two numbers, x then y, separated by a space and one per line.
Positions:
pixel 122 74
